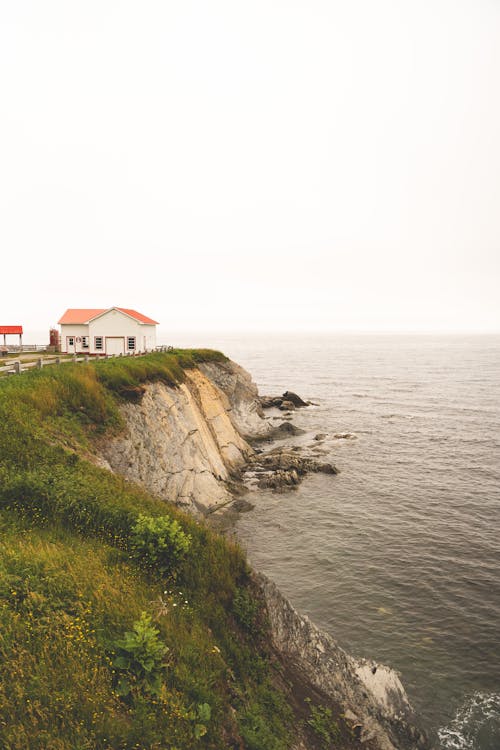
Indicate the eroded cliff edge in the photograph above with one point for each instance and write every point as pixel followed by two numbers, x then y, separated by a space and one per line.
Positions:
pixel 186 444
pixel 190 444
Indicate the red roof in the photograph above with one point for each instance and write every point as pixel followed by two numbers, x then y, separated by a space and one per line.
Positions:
pixel 11 329
pixel 78 316
pixel 138 316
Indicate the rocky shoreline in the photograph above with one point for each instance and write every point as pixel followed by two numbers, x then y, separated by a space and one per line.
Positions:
pixel 283 468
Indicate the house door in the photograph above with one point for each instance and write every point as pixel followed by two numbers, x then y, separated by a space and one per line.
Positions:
pixel 115 345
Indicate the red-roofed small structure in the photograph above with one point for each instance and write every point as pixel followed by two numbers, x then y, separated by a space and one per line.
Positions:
pixel 11 330
pixel 113 330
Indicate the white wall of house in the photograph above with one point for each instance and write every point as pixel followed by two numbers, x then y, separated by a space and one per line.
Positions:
pixel 69 339
pixel 149 336
pixel 113 332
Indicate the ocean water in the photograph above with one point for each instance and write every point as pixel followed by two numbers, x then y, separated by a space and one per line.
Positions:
pixel 398 557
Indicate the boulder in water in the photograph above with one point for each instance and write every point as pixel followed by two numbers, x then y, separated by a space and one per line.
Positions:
pixel 296 400
pixel 287 428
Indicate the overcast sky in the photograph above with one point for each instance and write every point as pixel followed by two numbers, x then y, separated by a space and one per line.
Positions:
pixel 260 165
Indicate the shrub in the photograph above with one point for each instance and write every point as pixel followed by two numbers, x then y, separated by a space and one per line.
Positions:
pixel 322 723
pixel 246 610
pixel 159 542
pixel 200 716
pixel 140 659
pixel 266 721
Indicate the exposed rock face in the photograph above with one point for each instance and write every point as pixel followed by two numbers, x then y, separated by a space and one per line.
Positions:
pixel 371 695
pixel 181 443
pixel 185 444
pixel 244 407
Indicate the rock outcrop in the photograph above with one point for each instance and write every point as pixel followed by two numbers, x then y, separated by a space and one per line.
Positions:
pixel 243 402
pixel 188 444
pixel 288 401
pixel 371 695
pixel 281 469
pixel 181 443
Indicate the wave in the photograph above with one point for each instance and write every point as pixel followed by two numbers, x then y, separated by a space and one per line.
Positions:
pixel 476 724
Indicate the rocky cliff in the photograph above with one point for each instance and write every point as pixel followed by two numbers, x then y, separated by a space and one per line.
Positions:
pixel 185 444
pixel 190 445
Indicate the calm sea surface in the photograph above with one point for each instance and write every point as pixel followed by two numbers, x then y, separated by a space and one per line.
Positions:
pixel 398 557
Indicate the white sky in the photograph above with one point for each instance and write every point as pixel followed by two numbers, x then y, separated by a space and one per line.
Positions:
pixel 259 165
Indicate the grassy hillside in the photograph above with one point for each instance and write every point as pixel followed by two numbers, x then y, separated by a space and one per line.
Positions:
pixel 123 622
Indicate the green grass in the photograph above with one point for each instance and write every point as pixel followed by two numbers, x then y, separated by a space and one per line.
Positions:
pixel 72 583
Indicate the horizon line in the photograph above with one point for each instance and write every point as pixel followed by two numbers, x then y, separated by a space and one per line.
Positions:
pixel 318 331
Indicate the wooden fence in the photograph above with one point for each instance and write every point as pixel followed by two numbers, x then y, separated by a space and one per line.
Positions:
pixel 17 367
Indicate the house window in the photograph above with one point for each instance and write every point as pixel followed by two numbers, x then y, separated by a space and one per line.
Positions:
pixel 71 340
pixel 98 343
pixel 130 343
pixel 85 342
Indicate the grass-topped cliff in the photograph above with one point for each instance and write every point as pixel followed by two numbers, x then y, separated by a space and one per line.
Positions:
pixel 124 623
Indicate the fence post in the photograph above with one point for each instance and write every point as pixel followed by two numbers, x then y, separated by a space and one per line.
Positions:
pixel 58 360
pixel 86 358
pixel 17 368
pixel 39 363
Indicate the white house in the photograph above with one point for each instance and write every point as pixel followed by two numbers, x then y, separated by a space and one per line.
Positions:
pixel 116 330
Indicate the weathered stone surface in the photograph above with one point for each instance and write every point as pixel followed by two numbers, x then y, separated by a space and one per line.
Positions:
pixel 181 443
pixel 288 459
pixel 279 480
pixel 243 404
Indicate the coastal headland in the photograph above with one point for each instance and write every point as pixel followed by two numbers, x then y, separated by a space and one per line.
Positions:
pixel 127 621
